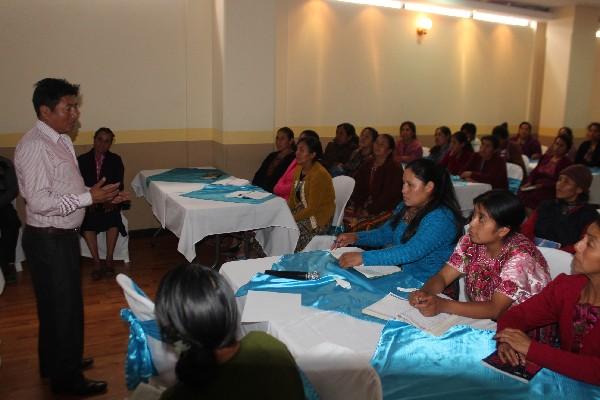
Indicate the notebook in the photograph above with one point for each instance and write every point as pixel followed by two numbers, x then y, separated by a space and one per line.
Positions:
pixel 395 307
pixel 523 373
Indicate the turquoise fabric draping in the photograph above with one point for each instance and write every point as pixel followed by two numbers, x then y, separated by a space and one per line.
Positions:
pixel 219 192
pixel 138 363
pixel 513 185
pixel 458 181
pixel 415 365
pixel 188 175
pixel 324 293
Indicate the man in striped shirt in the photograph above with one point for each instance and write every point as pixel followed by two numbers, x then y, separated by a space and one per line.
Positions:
pixel 55 198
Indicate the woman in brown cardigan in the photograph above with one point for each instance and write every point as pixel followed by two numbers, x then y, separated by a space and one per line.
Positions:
pixel 312 199
pixel 378 188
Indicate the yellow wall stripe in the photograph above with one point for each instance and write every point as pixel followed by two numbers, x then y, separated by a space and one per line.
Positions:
pixel 250 137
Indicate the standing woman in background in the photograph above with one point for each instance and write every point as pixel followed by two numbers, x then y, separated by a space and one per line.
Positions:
pixel 276 163
pixel 312 200
pixel 94 165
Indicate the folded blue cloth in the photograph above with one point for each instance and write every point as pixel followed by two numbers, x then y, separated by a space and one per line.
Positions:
pixel 188 175
pixel 220 192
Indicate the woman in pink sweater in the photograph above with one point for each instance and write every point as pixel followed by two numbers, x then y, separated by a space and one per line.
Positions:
pixel 572 301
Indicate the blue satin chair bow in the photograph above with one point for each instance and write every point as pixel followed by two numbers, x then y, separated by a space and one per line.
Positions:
pixel 138 364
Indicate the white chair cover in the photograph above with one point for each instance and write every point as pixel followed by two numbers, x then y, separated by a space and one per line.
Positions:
pixel 526 163
pixel 559 261
pixel 321 242
pixel 121 249
pixel 426 151
pixel 514 171
pixel 343 187
pixel 164 357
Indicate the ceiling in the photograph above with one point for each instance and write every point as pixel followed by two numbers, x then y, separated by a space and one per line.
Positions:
pixel 544 3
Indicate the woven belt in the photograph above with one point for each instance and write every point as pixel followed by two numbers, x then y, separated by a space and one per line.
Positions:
pixel 51 230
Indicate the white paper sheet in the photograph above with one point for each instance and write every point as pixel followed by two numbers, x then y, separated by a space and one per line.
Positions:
pixel 395 307
pixel 266 306
pixel 232 180
pixel 375 271
pixel 249 194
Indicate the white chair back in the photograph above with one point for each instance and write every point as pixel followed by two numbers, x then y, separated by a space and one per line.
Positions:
pixel 426 151
pixel 526 163
pixel 559 261
pixel 462 295
pixel 163 355
pixel 320 242
pixel 343 187
pixel 544 149
pixel 121 252
pixel 514 171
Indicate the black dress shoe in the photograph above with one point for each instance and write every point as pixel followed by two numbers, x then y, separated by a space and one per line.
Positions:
pixel 87 363
pixel 86 387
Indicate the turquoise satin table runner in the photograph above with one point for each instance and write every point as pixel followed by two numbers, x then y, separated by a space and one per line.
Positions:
pixel 220 192
pixel 325 293
pixel 188 175
pixel 416 365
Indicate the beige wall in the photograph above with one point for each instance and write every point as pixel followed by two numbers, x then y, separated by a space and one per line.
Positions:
pixel 199 82
pixel 365 65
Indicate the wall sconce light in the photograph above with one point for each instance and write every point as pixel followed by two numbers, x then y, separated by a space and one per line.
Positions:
pixel 424 24
pixel 598 33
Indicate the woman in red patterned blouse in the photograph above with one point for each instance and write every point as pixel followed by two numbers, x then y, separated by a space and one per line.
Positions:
pixel 501 266
pixel 572 301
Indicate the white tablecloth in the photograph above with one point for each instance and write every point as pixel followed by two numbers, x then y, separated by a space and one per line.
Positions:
pixel 194 219
pixel 466 193
pixel 333 349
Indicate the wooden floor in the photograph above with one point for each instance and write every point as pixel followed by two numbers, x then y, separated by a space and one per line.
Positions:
pixel 105 334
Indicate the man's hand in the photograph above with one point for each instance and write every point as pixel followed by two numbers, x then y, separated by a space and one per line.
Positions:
pixel 102 193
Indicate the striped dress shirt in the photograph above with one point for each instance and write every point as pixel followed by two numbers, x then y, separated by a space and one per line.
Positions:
pixel 49 179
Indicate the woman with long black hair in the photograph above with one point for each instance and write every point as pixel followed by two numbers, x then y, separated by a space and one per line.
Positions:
pixel 196 309
pixel 423 230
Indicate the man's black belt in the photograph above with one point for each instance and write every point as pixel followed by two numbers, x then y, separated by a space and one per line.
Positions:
pixel 51 230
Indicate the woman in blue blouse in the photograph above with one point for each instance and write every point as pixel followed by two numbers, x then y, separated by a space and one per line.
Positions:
pixel 423 231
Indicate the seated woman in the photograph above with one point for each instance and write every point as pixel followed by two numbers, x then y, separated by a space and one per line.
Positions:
pixel 572 301
pixel 421 234
pixel 530 146
pixel 312 200
pixel 378 188
pixel 442 144
pixel 363 153
pixel 196 308
pixel 408 147
pixel 339 150
pixel 500 265
pixel 284 185
pixel 588 152
pixel 96 164
pixel 459 155
pixel 565 218
pixel 509 150
pixel 541 182
pixel 273 167
pixel 487 166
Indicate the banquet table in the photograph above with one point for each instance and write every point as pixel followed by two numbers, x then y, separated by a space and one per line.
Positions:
pixel 192 219
pixel 466 192
pixel 333 349
pixel 346 355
